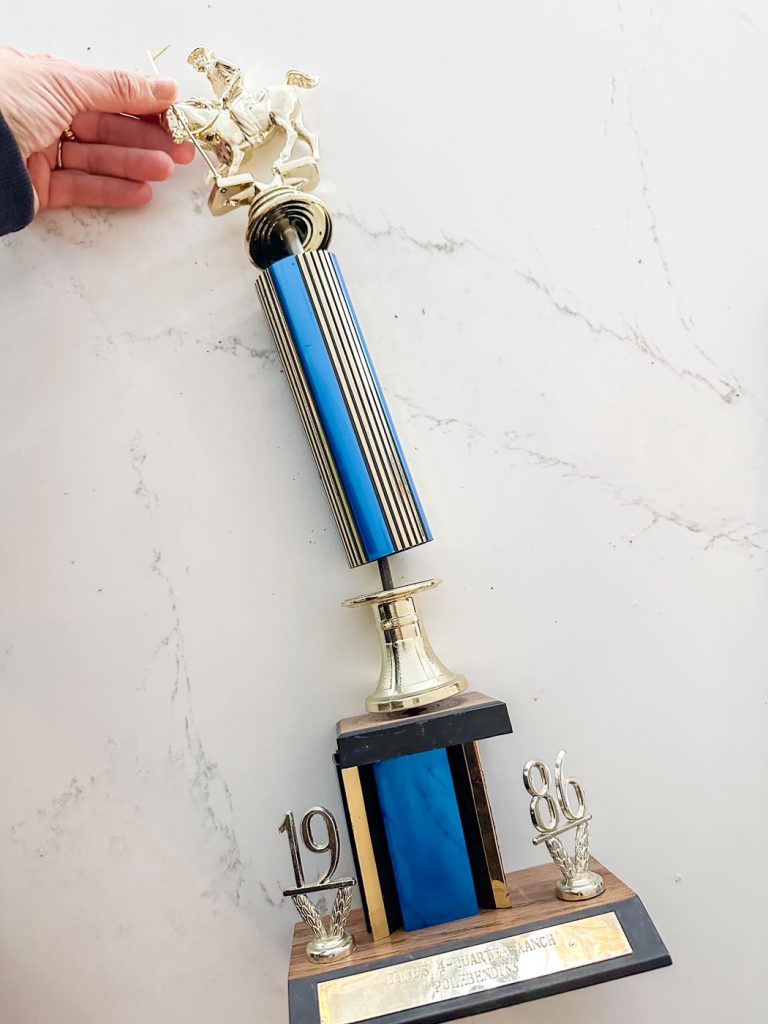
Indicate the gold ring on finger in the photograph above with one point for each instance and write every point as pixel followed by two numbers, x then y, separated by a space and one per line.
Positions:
pixel 66 136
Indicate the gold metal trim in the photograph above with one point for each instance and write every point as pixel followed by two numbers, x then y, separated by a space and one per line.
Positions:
pixel 346 352
pixel 411 673
pixel 310 419
pixel 486 825
pixel 462 972
pixel 268 214
pixel 366 859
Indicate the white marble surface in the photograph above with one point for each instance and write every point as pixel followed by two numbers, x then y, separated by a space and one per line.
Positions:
pixel 554 221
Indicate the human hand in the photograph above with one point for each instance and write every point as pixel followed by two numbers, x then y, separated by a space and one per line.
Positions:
pixel 114 155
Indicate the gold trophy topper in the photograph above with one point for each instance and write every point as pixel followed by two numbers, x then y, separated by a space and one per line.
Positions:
pixel 230 126
pixel 547 814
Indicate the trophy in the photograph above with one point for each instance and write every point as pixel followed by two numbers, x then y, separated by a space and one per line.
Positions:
pixel 443 931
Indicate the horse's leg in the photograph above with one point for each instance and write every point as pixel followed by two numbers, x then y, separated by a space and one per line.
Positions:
pixel 291 136
pixel 306 136
pixel 237 159
pixel 233 147
pixel 222 149
pixel 242 155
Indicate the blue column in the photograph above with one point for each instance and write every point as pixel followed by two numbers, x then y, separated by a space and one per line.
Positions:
pixel 339 399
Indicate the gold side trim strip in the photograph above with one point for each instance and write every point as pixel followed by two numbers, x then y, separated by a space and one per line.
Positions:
pixel 472 969
pixel 368 437
pixel 357 345
pixel 305 405
pixel 403 505
pixel 315 435
pixel 307 413
pixel 404 495
pixel 363 401
pixel 366 859
pixel 485 822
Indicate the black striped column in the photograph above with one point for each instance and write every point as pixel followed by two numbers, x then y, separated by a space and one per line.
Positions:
pixel 341 405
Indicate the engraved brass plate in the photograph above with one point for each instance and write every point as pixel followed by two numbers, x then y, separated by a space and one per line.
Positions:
pixel 462 972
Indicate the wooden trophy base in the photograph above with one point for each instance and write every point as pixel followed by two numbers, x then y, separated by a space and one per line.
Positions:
pixel 539 947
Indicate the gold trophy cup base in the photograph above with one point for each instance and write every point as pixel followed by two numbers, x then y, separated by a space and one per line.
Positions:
pixel 412 676
pixel 583 887
pixel 326 951
pixel 411 701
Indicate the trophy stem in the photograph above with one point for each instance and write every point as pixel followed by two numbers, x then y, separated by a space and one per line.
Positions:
pixel 385 572
pixel 291 237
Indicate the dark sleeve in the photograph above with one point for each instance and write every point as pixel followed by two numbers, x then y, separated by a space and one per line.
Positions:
pixel 17 204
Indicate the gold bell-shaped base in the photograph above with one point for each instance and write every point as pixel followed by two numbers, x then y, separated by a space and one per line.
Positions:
pixel 411 675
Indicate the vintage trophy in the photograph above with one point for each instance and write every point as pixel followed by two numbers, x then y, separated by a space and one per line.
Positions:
pixel 443 932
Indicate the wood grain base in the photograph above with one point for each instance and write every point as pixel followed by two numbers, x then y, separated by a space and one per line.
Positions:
pixel 534 906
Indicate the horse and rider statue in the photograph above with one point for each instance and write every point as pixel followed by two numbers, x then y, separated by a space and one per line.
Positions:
pixel 239 120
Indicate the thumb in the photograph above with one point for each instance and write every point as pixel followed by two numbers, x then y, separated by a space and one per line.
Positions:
pixel 125 92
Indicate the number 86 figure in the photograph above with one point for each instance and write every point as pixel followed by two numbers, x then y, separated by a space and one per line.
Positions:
pixel 547 814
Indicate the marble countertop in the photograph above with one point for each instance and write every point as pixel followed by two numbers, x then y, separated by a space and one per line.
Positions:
pixel 553 220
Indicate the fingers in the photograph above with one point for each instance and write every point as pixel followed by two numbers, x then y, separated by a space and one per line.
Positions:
pixel 58 188
pixel 78 188
pixel 42 94
pixel 117 161
pixel 126 92
pixel 116 130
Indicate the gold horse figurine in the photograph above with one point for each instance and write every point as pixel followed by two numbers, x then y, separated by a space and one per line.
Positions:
pixel 234 123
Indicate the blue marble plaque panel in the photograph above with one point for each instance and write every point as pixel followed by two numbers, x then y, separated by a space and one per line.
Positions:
pixel 425 837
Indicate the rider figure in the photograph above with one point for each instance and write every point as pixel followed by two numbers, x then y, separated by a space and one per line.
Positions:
pixel 225 78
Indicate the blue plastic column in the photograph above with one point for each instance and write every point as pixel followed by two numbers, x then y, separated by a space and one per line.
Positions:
pixel 340 402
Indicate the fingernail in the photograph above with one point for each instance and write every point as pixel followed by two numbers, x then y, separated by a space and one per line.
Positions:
pixel 163 89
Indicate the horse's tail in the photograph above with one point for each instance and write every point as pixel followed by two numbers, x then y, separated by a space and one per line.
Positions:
pixel 301 78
